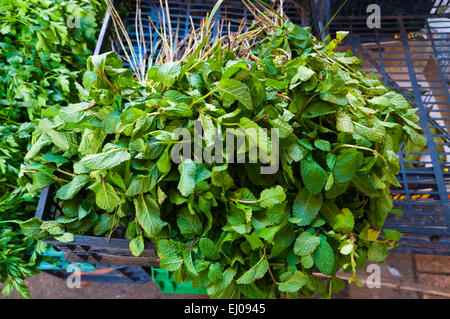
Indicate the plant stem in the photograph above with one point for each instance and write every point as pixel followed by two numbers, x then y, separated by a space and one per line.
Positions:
pixel 107 81
pixel 361 148
pixel 270 271
pixel 90 107
pixel 203 97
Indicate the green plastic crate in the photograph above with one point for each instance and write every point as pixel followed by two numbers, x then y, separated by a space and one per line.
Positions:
pixel 167 285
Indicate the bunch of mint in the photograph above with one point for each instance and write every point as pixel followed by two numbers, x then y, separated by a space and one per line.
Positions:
pixel 116 160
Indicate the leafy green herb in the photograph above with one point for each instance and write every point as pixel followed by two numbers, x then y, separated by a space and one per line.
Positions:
pixel 221 223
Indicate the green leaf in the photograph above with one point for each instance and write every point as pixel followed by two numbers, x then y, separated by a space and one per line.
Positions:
pixel 329 211
pixel 392 234
pixel 171 263
pixel 104 225
pixel 52 227
pixel 148 215
pixel 105 196
pixel 112 156
pixel 141 184
pixel 165 162
pixel 345 221
pixel 347 164
pixel 137 245
pixel 282 241
pixel 313 175
pixel 66 237
pixel 236 90
pixel 41 142
pixel 170 253
pixel 188 173
pixel 272 196
pixel 187 258
pixel 324 257
pixel 322 145
pixel 256 135
pixel 254 273
pixel 215 273
pixel 369 133
pixel 335 285
pixel 69 190
pixel 221 178
pixel 316 109
pixel 92 141
pixel 74 113
pixel 168 73
pixel 189 224
pixel 377 252
pixel 306 206
pixel 268 233
pixel 347 249
pixel 307 261
pixel 209 129
pixel 306 244
pixel 344 122
pixel 303 74
pixel 292 282
pixel 32 228
pixel 209 249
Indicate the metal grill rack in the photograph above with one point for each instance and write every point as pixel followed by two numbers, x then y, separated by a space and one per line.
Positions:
pixel 411 54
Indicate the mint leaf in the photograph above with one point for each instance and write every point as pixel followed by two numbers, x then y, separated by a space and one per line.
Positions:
pixel 188 173
pixel 148 215
pixel 105 196
pixel 292 282
pixel 69 190
pixel 215 273
pixel 345 221
pixel 237 90
pixel 313 175
pixel 137 245
pixel 254 273
pixel 306 244
pixel 113 155
pixel 168 73
pixel 189 224
pixel 324 257
pixel 170 254
pixel 306 207
pixel 346 165
pixel 272 196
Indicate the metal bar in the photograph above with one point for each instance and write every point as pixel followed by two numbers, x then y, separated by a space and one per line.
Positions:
pixel 104 32
pixel 424 120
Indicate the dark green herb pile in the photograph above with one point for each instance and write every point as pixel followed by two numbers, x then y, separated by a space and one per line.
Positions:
pixel 43 51
pixel 226 226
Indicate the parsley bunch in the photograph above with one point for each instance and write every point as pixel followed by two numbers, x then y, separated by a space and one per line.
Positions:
pixel 223 225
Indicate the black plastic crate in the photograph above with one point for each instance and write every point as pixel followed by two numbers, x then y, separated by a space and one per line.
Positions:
pixel 416 62
pixel 91 249
pixel 414 16
pixel 388 7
